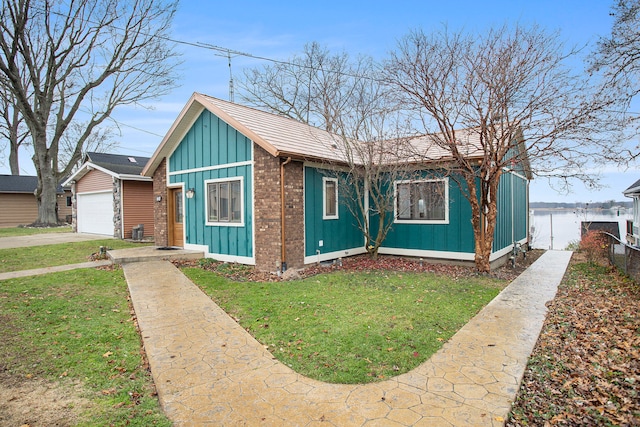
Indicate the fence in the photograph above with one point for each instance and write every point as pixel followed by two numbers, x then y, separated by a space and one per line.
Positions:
pixel 626 258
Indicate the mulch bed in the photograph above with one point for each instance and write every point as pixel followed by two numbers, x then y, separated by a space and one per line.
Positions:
pixel 243 273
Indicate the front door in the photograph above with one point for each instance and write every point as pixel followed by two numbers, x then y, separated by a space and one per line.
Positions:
pixel 176 217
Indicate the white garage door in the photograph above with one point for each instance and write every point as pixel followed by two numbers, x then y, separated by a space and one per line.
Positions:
pixel 95 213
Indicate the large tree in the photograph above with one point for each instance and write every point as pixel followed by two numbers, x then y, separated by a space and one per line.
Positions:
pixel 348 99
pixel 76 62
pixel 12 129
pixel 499 86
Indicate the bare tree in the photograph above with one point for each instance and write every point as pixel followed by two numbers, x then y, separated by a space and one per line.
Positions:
pixel 513 93
pixel 618 55
pixel 313 88
pixel 349 100
pixel 12 129
pixel 83 59
pixel 101 140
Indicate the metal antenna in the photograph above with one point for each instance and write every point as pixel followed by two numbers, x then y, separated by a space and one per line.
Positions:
pixel 231 92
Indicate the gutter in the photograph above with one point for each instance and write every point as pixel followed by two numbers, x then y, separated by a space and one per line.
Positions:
pixel 283 248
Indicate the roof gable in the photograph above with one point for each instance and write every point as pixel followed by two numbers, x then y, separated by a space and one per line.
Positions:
pixel 118 163
pixel 633 189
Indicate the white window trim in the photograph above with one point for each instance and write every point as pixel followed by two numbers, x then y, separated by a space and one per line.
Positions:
pixel 324 198
pixel 421 221
pixel 206 202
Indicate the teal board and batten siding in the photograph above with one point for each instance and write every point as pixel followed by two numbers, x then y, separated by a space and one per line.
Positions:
pixel 340 237
pixel 512 220
pixel 212 149
pixel 453 240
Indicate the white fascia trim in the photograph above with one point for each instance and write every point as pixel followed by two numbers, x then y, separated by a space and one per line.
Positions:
pixel 514 173
pixel 221 257
pixel 211 168
pixel 130 177
pixel 424 253
pixel 334 255
pixel 95 192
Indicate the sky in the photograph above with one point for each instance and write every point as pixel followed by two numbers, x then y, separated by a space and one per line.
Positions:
pixel 279 30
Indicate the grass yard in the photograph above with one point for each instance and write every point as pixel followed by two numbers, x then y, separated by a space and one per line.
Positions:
pixel 27 231
pixel 74 332
pixel 352 327
pixel 16 259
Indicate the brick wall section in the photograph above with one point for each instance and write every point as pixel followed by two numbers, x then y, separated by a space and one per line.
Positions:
pixel 294 214
pixel 266 169
pixel 160 219
pixel 267 211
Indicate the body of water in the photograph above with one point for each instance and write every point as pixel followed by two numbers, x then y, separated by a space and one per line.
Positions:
pixel 556 229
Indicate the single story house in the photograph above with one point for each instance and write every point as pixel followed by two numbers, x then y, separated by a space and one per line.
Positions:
pixel 110 196
pixel 251 187
pixel 633 226
pixel 19 204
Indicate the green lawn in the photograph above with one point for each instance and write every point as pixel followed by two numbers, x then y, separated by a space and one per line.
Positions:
pixel 24 231
pixel 15 259
pixel 75 329
pixel 352 327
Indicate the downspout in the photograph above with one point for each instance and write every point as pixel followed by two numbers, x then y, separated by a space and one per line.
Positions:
pixel 283 249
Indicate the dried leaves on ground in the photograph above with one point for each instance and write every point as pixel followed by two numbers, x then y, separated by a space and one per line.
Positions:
pixel 585 368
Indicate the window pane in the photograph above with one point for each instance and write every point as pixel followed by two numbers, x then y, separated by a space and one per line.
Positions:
pixel 224 201
pixel 177 203
pixel 330 198
pixel 213 202
pixel 236 202
pixel 404 201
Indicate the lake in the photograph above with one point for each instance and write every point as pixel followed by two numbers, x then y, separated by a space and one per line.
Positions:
pixel 566 225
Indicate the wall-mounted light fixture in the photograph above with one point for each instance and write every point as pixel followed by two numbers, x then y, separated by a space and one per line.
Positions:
pixel 190 193
pixel 158 198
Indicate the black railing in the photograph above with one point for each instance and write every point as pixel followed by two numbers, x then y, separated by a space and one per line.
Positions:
pixel 625 257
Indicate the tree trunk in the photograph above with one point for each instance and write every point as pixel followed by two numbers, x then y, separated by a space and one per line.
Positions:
pixel 14 165
pixel 46 196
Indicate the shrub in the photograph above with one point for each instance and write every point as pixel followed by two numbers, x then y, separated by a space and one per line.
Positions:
pixel 595 246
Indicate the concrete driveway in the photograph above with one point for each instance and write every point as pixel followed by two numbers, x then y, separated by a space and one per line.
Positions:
pixel 47 239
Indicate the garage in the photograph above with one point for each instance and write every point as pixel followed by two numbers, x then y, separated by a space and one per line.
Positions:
pixel 95 213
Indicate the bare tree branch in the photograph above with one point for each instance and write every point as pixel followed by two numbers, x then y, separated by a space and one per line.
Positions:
pixel 67 63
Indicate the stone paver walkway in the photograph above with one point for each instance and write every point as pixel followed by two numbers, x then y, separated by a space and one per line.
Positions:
pixel 209 371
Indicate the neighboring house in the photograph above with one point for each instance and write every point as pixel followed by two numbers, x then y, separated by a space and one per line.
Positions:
pixel 633 226
pixel 18 205
pixel 110 195
pixel 252 187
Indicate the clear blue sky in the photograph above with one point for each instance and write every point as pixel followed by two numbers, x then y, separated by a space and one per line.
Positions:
pixel 280 29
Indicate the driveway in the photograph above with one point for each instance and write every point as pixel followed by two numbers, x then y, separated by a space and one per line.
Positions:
pixel 47 239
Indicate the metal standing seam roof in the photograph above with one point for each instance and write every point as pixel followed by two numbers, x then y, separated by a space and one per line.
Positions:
pixel 283 136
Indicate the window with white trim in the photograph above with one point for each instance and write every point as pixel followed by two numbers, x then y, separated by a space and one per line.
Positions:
pixel 329 198
pixel 425 201
pixel 224 202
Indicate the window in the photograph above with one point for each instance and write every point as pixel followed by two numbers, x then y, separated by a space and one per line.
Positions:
pixel 422 201
pixel 329 198
pixel 69 201
pixel 224 202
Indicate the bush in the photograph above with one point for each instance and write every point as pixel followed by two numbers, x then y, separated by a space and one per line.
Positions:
pixel 595 246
